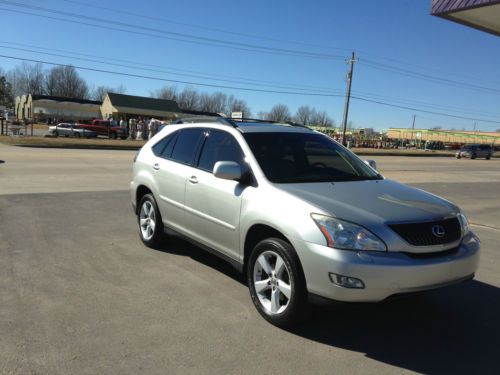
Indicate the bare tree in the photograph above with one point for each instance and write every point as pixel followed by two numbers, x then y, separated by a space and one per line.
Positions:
pixel 261 115
pixel 279 112
pixel 6 97
pixel 205 103
pixel 304 114
pixel 189 99
pixel 65 81
pixel 219 101
pixel 99 93
pixel 26 79
pixel 237 105
pixel 321 118
pixel 166 92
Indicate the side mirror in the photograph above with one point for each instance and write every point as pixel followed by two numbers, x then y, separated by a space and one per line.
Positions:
pixel 371 163
pixel 228 170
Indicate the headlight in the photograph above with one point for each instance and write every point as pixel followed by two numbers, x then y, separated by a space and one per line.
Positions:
pixel 342 234
pixel 464 223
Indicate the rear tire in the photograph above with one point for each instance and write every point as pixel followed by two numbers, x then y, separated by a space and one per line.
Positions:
pixel 149 222
pixel 276 282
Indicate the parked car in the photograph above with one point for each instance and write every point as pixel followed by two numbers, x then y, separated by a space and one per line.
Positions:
pixel 300 214
pixel 475 151
pixel 105 128
pixel 70 130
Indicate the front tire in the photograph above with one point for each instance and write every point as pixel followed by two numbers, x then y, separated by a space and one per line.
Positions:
pixel 276 282
pixel 149 222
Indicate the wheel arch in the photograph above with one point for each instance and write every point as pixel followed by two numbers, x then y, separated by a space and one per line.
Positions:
pixel 141 191
pixel 259 232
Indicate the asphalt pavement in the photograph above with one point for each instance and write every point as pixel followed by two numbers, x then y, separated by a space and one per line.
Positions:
pixel 80 294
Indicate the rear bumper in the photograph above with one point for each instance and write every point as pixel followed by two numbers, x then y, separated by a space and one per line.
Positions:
pixel 384 273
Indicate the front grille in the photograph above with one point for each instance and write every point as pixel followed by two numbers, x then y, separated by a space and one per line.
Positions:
pixel 421 234
pixel 433 255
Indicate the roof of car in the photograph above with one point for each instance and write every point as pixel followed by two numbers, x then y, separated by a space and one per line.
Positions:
pixel 271 128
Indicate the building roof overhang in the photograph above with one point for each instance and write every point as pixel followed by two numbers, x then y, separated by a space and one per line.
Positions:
pixel 479 14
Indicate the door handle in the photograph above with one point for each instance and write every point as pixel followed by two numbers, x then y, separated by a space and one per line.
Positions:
pixel 193 179
pixel 156 166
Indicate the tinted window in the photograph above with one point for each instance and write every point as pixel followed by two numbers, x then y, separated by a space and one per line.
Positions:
pixel 164 147
pixel 186 144
pixel 306 157
pixel 220 146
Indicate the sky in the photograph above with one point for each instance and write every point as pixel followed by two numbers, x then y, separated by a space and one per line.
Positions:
pixel 268 52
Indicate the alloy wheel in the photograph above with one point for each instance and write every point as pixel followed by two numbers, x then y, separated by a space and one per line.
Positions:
pixel 271 279
pixel 147 220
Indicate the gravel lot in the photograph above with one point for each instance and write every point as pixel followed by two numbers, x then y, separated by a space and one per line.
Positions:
pixel 80 294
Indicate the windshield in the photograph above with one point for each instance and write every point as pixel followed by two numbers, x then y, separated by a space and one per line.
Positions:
pixel 306 157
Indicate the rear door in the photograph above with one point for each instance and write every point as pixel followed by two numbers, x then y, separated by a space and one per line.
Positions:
pixel 172 165
pixel 212 205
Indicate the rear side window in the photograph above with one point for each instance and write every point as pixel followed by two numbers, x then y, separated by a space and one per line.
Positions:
pixel 186 144
pixel 164 147
pixel 220 146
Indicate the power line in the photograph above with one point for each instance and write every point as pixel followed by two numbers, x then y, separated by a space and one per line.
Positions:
pixel 163 67
pixel 284 86
pixel 260 83
pixel 422 104
pixel 236 45
pixel 423 110
pixel 250 89
pixel 170 80
pixel 189 38
pixel 175 22
pixel 428 77
pixel 260 37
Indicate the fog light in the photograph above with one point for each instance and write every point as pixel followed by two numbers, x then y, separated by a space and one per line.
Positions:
pixel 346 281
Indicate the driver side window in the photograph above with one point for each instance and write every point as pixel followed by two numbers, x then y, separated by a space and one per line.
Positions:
pixel 219 146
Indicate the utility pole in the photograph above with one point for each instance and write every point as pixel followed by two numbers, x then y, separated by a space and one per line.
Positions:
pixel 348 95
pixel 413 129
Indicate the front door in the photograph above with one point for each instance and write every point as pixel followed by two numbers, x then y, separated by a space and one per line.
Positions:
pixel 213 205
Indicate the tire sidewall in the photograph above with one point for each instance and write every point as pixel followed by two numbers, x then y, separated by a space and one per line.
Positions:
pixel 297 303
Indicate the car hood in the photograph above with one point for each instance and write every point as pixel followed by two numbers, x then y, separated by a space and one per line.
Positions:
pixel 372 202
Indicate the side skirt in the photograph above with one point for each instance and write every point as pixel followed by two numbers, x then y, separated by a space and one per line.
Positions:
pixel 236 264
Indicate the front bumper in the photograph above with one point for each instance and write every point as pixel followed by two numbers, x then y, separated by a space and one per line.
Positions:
pixel 384 273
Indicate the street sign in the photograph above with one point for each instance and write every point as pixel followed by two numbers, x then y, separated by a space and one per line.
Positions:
pixel 237 115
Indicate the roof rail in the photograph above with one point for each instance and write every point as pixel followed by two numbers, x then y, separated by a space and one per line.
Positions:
pixel 291 123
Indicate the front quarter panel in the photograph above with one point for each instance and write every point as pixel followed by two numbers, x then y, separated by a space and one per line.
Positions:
pixel 283 212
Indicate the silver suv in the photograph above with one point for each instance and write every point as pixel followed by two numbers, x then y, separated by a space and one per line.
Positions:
pixel 300 214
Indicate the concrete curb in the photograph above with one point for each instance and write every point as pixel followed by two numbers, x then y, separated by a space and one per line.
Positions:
pixel 135 148
pixel 83 147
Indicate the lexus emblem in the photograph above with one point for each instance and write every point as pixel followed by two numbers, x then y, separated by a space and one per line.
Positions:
pixel 438 231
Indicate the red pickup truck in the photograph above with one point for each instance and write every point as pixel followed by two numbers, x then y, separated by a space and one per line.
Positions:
pixel 106 128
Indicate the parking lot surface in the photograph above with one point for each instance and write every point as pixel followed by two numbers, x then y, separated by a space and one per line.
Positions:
pixel 79 293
